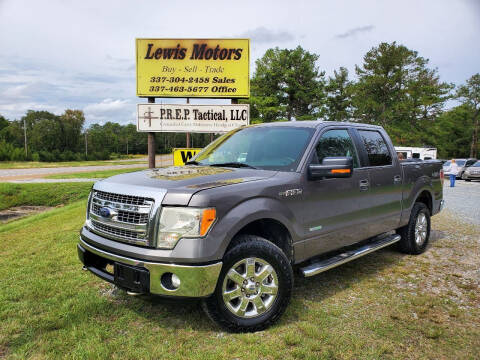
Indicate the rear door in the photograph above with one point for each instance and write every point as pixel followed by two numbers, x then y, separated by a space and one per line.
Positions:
pixel 385 176
pixel 335 211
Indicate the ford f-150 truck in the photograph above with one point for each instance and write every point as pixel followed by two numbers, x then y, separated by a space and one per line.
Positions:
pixel 258 202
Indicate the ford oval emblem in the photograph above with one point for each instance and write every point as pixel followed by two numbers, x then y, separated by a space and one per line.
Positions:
pixel 105 212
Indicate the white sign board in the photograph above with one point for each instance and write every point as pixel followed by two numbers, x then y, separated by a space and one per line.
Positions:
pixel 191 118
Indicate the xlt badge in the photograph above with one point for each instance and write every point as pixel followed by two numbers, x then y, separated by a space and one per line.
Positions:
pixel 291 192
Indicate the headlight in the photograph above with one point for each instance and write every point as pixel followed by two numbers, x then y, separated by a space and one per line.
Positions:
pixel 180 222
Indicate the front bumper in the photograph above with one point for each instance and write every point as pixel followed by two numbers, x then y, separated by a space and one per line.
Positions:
pixel 150 277
pixel 442 205
pixel 470 176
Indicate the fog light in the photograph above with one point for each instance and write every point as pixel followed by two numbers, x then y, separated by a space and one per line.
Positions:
pixel 175 281
pixel 170 281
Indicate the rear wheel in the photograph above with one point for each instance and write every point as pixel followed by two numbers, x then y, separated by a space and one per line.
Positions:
pixel 254 286
pixel 416 233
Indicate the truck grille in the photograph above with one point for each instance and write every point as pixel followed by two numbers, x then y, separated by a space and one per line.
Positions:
pixel 124 217
pixel 124 199
pixel 123 233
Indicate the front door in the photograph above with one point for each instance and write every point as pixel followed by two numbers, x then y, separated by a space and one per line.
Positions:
pixel 336 209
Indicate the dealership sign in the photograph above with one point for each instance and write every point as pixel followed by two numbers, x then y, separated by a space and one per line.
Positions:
pixel 191 118
pixel 213 68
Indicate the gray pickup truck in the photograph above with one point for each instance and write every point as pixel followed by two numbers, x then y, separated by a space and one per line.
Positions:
pixel 260 201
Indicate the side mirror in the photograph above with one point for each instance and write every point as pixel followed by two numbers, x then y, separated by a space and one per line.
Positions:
pixel 331 167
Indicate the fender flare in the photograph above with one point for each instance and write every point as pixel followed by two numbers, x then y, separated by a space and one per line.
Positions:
pixel 265 208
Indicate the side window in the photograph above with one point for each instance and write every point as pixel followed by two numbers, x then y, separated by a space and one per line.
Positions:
pixel 335 143
pixel 377 149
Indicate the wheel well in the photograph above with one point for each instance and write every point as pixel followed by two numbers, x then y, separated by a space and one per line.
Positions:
pixel 270 229
pixel 425 198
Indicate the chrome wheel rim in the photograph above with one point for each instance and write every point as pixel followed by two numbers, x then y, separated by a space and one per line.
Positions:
pixel 421 228
pixel 250 287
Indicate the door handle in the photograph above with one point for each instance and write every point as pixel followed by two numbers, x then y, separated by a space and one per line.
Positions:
pixel 364 185
pixel 397 179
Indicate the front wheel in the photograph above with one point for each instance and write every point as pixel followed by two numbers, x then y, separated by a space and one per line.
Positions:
pixel 254 286
pixel 416 233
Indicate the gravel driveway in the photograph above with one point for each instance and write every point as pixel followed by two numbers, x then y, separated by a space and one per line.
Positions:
pixel 463 200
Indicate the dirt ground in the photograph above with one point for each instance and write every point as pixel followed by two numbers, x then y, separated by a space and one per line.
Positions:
pixel 18 212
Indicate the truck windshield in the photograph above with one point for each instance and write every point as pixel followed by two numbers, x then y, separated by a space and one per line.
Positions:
pixel 269 148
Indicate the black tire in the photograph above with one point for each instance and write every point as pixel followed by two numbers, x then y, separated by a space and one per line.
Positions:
pixel 467 179
pixel 408 244
pixel 247 247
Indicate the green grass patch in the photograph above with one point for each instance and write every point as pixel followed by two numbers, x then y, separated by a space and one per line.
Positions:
pixel 50 309
pixel 40 164
pixel 51 194
pixel 101 174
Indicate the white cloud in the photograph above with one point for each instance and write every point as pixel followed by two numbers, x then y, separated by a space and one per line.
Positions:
pixel 355 31
pixel 262 35
pixel 117 110
pixel 106 105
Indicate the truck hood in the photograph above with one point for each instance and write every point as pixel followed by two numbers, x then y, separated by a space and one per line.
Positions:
pixel 181 182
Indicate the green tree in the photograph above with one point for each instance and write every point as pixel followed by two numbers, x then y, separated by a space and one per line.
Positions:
pixel 3 123
pixel 34 121
pixel 71 124
pixel 287 84
pixel 470 94
pixel 451 133
pixel 338 105
pixel 45 135
pixel 397 90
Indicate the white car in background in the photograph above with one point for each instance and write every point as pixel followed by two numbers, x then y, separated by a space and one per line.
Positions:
pixel 462 164
pixel 472 172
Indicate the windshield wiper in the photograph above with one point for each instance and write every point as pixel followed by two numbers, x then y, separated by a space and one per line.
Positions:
pixel 235 164
pixel 193 162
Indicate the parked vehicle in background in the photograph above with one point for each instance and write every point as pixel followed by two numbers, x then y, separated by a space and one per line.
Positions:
pixel 233 223
pixel 472 172
pixel 417 152
pixel 462 165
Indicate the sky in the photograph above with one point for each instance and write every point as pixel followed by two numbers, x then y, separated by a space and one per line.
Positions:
pixel 58 55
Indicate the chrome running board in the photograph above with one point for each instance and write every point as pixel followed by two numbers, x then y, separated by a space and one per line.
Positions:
pixel 327 264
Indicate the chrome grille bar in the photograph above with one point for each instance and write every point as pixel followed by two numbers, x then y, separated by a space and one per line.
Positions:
pixel 127 220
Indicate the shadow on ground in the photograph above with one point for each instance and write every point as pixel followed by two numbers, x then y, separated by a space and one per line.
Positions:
pixel 187 313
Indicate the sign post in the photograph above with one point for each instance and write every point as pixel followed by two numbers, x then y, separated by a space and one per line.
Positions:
pixel 207 68
pixel 151 141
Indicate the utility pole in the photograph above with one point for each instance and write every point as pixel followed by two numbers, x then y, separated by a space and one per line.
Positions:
pixel 86 145
pixel 188 134
pixel 25 135
pixel 127 145
pixel 151 143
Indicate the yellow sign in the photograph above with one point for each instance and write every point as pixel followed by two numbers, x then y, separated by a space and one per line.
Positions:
pixel 213 68
pixel 181 156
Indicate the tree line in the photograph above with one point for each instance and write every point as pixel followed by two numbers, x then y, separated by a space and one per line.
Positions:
pixel 393 87
pixel 43 136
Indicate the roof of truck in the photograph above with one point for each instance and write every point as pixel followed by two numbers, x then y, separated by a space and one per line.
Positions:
pixel 315 124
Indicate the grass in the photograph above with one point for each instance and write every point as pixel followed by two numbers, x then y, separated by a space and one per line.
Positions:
pixel 366 309
pixel 94 174
pixel 41 194
pixel 39 164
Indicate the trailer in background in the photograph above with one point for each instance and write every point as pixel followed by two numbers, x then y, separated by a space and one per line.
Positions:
pixel 417 152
